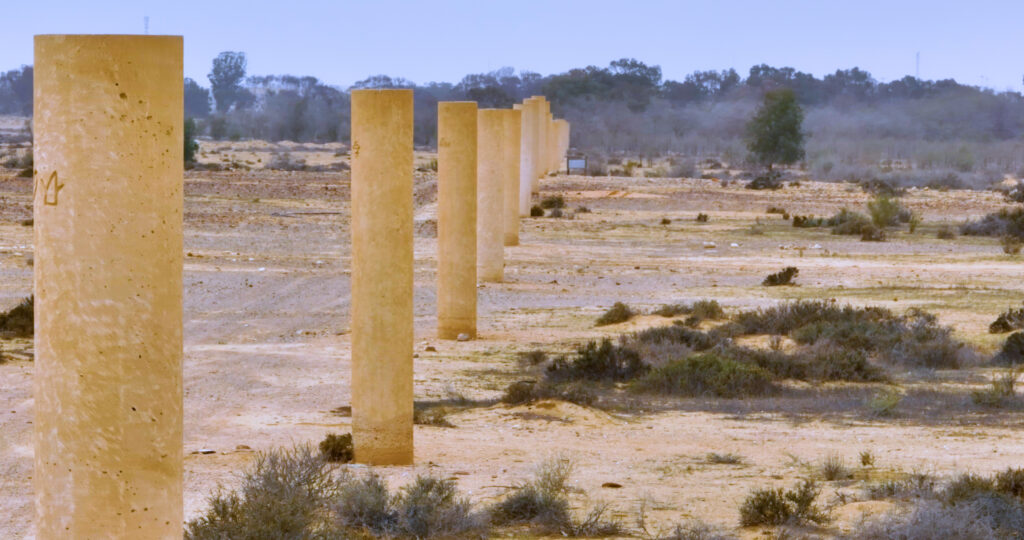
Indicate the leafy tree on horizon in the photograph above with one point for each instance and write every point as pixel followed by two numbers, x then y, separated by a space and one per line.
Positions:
pixel 226 78
pixel 774 134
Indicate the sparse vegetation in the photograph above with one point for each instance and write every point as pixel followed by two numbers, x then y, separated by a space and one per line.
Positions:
pixel 19 321
pixel 884 403
pixel 782 277
pixel 834 468
pixel 536 211
pixel 1004 223
pixel 867 458
pixel 945 232
pixel 552 201
pixel 1000 393
pixel 707 374
pixel 777 507
pixel 337 448
pixel 618 313
pixel 1010 320
pixel 724 459
pixel 702 218
pixel 1012 352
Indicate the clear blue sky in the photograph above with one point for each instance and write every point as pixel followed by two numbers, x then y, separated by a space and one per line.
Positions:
pixel 976 42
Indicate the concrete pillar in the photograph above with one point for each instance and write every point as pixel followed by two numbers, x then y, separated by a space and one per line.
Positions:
pixel 108 121
pixel 456 219
pixel 527 151
pixel 562 130
pixel 510 174
pixel 537 111
pixel 382 276
pixel 490 211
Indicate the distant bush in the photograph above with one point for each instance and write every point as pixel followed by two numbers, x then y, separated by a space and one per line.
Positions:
pixel 536 211
pixel 870 233
pixel 598 362
pixel 777 507
pixel 884 403
pixel 702 218
pixel 783 277
pixel 1006 222
pixel 1012 352
pixel 19 320
pixel 557 213
pixel 885 211
pixel 1010 320
pixel 945 232
pixel 1000 392
pixel 286 162
pixel 834 468
pixel 701 309
pixel 707 375
pixel 683 169
pixel 849 222
pixel 805 222
pixel 769 180
pixel 618 313
pixel 666 221
pixel 582 210
pixel 775 210
pixel 552 201
pixel 337 448
pixel 1011 245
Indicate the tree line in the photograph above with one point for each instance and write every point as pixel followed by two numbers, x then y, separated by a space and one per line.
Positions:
pixel 851 119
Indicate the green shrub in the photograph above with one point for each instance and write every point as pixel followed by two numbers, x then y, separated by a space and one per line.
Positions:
pixel 19 320
pixel 618 313
pixel 1000 392
pixel 541 502
pixel 849 222
pixel 604 362
pixel 536 211
pixel 702 218
pixel 701 310
pixel 191 146
pixel 834 468
pixel 1012 352
pixel 885 211
pixel 967 486
pixel 707 374
pixel 884 403
pixel 337 448
pixel 777 507
pixel 552 201
pixel 1008 321
pixel 783 277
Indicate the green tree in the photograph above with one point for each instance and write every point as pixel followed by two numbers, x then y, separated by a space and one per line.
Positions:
pixel 191 146
pixel 774 134
pixel 226 79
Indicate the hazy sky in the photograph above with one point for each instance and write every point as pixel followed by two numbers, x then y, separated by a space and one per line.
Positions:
pixel 975 42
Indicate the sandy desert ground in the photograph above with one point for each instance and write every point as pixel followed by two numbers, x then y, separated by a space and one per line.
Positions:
pixel 267 343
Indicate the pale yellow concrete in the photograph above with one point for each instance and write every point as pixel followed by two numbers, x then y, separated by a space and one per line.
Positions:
pixel 456 218
pixel 537 124
pixel 562 130
pixel 382 276
pixel 527 152
pixel 108 149
pixel 490 211
pixel 510 174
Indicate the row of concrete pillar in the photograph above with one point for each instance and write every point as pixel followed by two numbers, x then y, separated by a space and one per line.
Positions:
pixel 108 207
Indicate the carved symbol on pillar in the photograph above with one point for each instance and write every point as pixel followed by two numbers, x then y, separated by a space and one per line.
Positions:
pixel 50 189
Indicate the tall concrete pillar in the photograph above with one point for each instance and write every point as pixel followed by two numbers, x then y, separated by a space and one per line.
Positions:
pixel 108 122
pixel 537 111
pixel 490 211
pixel 527 153
pixel 382 276
pixel 456 218
pixel 562 130
pixel 552 144
pixel 510 174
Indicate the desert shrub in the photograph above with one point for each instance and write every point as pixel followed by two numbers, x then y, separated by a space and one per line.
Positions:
pixel 966 486
pixel 701 309
pixel 429 507
pixel 433 415
pixel 702 218
pixel 534 357
pixel 723 459
pixel 541 502
pixel 945 232
pixel 914 222
pixel 768 180
pixel 1011 245
pixel 915 485
pixel 1010 482
pixel 885 211
pixel 870 233
pixel 536 211
pixel 520 392
pixel 707 374
pixel 775 210
pixel 695 530
pixel 596 167
pixel 677 333
pixel 930 520
pixel 808 222
pixel 19 320
pixel 1012 352
pixel 666 221
pixel 618 313
pixel 283 495
pixel 777 507
pixel 285 162
pixel 582 210
pixel 337 448
pixel 556 213
pixel 834 468
pixel 884 403
pixel 552 201
pixel 848 222
pixel 1006 222
pixel 523 392
pixel 683 169
pixel 1000 392
pixel 785 317
pixel 867 459
pixel 598 362
pixel 833 363
pixel 1008 321
pixel 783 277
